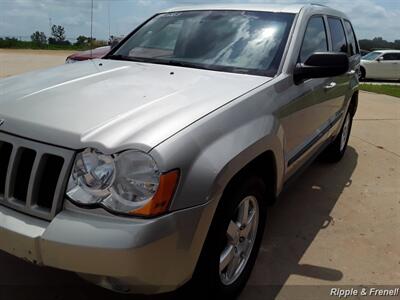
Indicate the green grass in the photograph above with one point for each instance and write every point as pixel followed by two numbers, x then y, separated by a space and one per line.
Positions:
pixel 16 44
pixel 391 90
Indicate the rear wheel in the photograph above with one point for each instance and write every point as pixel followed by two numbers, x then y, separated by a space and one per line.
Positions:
pixel 362 74
pixel 336 150
pixel 233 242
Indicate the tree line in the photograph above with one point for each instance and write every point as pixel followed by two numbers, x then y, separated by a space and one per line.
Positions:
pixel 378 43
pixel 57 40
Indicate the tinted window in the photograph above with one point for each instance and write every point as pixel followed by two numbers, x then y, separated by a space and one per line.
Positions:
pixel 231 41
pixel 391 56
pixel 314 38
pixel 337 33
pixel 351 37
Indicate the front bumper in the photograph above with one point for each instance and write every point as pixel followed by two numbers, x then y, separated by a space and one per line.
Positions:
pixel 127 255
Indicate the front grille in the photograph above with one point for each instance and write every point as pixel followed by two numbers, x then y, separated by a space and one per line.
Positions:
pixel 33 176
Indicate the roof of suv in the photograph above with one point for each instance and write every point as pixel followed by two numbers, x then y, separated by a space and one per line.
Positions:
pixel 289 8
pixel 293 8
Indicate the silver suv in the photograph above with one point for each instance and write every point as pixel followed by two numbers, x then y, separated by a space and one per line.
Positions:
pixel 153 168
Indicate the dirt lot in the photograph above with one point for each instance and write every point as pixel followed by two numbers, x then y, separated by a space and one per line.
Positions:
pixel 19 61
pixel 336 226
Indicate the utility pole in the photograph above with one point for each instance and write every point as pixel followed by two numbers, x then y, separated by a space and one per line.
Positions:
pixel 50 25
pixel 109 20
pixel 91 31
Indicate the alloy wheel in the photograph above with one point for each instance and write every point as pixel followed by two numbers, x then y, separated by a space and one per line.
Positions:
pixel 240 236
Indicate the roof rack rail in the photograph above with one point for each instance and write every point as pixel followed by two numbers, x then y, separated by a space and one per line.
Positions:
pixel 318 4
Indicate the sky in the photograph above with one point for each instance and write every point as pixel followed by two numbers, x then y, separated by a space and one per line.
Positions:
pixel 20 18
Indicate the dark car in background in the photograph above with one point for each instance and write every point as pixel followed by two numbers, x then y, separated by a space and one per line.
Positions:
pixel 89 54
pixel 99 52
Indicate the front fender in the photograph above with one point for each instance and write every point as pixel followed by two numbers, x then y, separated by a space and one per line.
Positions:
pixel 214 150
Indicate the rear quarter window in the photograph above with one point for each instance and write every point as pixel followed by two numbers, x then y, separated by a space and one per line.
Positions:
pixel 339 43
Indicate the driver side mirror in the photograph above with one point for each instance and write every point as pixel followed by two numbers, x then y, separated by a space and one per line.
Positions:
pixel 379 59
pixel 322 64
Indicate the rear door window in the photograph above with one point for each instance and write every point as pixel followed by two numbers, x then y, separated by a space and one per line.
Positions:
pixel 353 47
pixel 315 39
pixel 339 43
pixel 391 56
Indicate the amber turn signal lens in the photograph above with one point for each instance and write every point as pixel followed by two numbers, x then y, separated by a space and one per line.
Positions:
pixel 159 204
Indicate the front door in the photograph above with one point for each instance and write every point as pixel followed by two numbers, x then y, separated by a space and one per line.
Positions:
pixel 380 68
pixel 305 117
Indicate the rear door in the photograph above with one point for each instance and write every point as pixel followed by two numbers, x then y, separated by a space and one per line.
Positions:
pixel 353 49
pixel 396 66
pixel 339 87
pixel 391 63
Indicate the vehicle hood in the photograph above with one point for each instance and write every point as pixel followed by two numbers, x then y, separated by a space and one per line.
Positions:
pixel 114 105
pixel 365 61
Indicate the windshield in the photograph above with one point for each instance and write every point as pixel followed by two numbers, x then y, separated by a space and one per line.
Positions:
pixel 371 55
pixel 231 41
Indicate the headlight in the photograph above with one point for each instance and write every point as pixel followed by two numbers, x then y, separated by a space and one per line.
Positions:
pixel 128 183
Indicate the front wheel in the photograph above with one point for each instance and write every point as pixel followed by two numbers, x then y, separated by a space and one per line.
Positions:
pixel 233 242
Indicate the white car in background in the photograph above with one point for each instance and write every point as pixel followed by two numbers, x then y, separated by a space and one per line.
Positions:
pixel 381 64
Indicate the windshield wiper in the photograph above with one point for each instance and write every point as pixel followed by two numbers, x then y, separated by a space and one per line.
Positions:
pixel 158 61
pixel 134 58
pixel 184 64
pixel 120 57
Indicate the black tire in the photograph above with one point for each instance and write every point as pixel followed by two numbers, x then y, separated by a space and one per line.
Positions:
pixel 206 282
pixel 337 148
pixel 362 74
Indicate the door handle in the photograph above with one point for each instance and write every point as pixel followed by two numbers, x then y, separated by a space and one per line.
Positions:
pixel 330 86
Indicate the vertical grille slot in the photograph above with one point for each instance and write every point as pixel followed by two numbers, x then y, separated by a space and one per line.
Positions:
pixel 50 170
pixel 24 164
pixel 33 176
pixel 5 154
